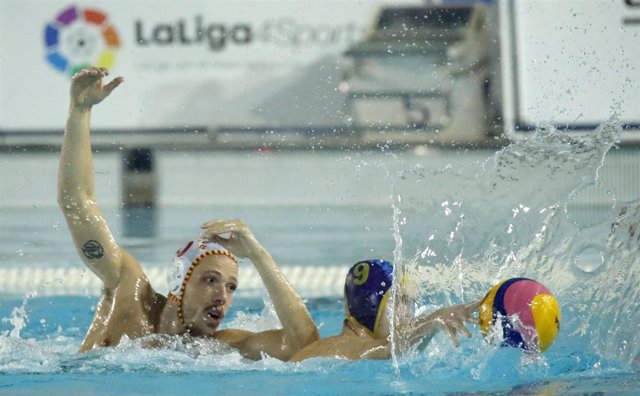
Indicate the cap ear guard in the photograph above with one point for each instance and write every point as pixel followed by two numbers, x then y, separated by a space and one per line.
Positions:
pixel 367 288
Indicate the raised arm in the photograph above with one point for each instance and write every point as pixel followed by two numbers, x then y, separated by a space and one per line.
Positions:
pixel 298 329
pixel 450 319
pixel 76 186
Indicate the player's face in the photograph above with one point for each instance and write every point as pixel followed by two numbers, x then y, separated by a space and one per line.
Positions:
pixel 209 293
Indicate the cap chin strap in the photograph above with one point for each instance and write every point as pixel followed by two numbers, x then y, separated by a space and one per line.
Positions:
pixel 382 308
pixel 178 301
pixel 359 330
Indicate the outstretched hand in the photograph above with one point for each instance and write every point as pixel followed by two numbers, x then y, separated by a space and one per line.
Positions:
pixel 241 241
pixel 451 319
pixel 87 89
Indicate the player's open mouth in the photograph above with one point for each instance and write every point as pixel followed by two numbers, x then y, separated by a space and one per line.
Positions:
pixel 214 316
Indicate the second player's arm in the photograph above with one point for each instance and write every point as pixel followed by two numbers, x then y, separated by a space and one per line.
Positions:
pixel 450 319
pixel 298 329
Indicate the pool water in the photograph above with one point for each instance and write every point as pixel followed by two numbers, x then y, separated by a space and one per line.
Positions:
pixel 455 231
pixel 43 360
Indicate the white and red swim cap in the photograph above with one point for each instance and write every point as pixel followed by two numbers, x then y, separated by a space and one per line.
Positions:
pixel 186 260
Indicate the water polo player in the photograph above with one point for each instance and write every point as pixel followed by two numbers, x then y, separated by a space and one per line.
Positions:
pixel 366 330
pixel 202 278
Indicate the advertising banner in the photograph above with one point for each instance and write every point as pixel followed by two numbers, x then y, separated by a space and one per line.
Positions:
pixel 185 63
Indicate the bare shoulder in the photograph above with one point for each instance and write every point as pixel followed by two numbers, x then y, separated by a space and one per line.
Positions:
pixel 134 286
pixel 131 308
pixel 129 266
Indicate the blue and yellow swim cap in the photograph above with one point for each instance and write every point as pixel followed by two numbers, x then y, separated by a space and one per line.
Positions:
pixel 367 290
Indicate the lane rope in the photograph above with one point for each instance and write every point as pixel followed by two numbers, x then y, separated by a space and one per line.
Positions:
pixel 309 281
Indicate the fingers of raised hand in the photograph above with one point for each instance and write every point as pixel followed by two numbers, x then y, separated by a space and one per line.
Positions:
pixel 91 73
pixel 223 226
pixel 207 224
pixel 219 239
pixel 113 84
pixel 214 235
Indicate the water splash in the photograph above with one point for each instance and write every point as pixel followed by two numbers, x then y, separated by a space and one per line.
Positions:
pixel 18 318
pixel 464 230
pixel 616 335
pixel 398 221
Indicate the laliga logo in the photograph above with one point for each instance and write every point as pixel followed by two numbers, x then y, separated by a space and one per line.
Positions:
pixel 78 38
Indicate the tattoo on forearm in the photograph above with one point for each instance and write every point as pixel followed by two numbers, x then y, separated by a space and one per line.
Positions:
pixel 93 250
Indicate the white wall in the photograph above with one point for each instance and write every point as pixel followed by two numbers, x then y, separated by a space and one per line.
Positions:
pixel 570 62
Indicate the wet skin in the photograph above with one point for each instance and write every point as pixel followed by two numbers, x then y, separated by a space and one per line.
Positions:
pixel 129 306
